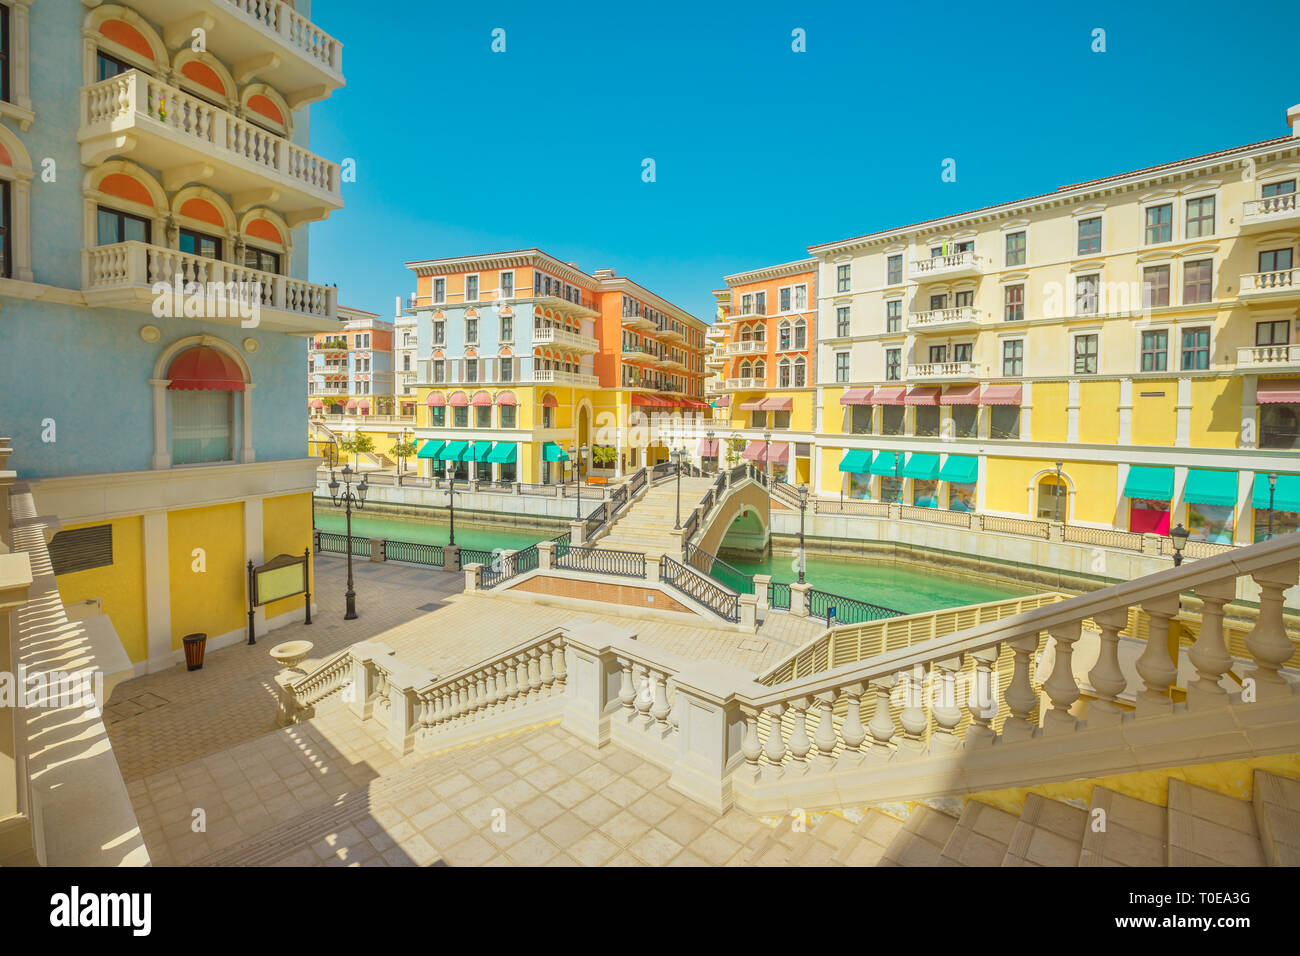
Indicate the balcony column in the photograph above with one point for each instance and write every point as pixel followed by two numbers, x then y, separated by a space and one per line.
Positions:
pixel 246 454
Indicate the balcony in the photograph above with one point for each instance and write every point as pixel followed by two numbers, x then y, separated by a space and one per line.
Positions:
pixel 263 39
pixel 190 140
pixel 123 274
pixel 944 320
pixel 1270 286
pixel 747 348
pixel 553 377
pixel 956 265
pixel 1274 212
pixel 1268 358
pixel 637 353
pixel 561 338
pixel 943 372
pixel 667 333
pixel 744 383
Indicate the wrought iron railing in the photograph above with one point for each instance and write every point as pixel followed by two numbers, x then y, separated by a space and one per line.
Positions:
pixel 846 610
pixel 706 591
pixel 413 552
pixel 333 543
pixel 712 565
pixel 562 543
pixel 661 470
pixel 476 556
pixel 691 525
pixel 506 566
pixel 594 522
pixel 778 596
pixel 627 564
pixel 618 499
pixel 637 483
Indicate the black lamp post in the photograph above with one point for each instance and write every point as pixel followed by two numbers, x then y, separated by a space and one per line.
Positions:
pixel 1058 491
pixel 1179 537
pixel 451 503
pixel 677 457
pixel 708 436
pixel 578 454
pixel 803 505
pixel 348 497
pixel 1272 490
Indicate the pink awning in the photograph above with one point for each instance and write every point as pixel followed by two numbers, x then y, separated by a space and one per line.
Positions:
pixel 961 395
pixel 857 396
pixel 890 395
pixel 506 398
pixel 352 403
pixel 459 400
pixel 777 404
pixel 364 408
pixel 780 454
pixel 481 398
pixel 549 401
pixel 437 400
pixel 317 403
pixel 753 405
pixel 754 451
pixel 923 395
pixel 1276 391
pixel 1001 395
pixel 722 402
pixel 708 448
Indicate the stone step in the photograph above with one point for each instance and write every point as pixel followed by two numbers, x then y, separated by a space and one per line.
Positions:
pixel 1050 833
pixel 981 836
pixel 870 840
pixel 1211 829
pixel 822 841
pixel 922 839
pixel 1276 801
pixel 1124 831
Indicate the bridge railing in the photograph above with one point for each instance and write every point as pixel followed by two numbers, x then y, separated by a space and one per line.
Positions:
pixel 724 603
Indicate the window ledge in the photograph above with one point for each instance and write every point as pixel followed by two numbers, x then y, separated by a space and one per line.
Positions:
pixel 24 117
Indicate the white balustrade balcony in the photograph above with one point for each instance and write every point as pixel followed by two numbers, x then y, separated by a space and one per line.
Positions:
pixel 553 377
pixel 747 348
pixel 943 372
pixel 952 266
pixel 1271 285
pixel 560 338
pixel 190 140
pixel 944 320
pixel 743 383
pixel 1268 357
pixel 1271 213
pixel 124 274
pixel 263 39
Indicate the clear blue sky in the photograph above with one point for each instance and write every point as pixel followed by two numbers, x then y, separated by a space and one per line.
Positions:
pixel 760 151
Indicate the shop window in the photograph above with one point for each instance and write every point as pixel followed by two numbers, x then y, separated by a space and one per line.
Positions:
pixel 1148 517
pixel 927 421
pixel 1004 421
pixel 860 486
pixel 925 493
pixel 860 419
pixel 961 496
pixel 892 419
pixel 1213 523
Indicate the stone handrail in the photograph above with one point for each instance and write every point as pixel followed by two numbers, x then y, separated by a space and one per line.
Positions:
pixel 942 317
pixel 1266 281
pixel 329 676
pixel 1271 205
pixel 297 31
pixel 1269 355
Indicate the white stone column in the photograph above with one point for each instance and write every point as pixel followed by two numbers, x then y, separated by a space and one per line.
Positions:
pixel 1125 411
pixel 1183 410
pixel 157 590
pixel 161 456
pixel 246 454
pixel 1072 413
pixel 253 551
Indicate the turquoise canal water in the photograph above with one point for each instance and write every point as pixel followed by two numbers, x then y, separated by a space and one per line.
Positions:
pixel 904 587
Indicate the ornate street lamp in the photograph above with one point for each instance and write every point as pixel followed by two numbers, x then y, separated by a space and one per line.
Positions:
pixel 347 497
pixel 578 455
pixel 1179 537
pixel 767 453
pixel 708 436
pixel 803 505
pixel 451 502
pixel 1272 490
pixel 677 457
pixel 1058 491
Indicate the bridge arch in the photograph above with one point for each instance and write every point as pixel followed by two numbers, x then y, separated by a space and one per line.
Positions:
pixel 749 502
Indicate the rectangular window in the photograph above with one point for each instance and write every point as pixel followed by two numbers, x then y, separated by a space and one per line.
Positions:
pixel 1198 281
pixel 1273 333
pixel 938 302
pixel 1200 217
pixel 801 297
pixel 1016 248
pixel 964 299
pixel 860 419
pixel 1275 260
pixel 439 333
pixel 1196 349
pixel 842 321
pixel 1085 294
pixel 757 419
pixel 439 290
pixel 508 418
pixel 471 370
pixel 1155 287
pixel 1089 236
pixel 927 421
pixel 439 370
pixel 1013 358
pixel 962 352
pixel 938 353
pixel 507 370
pixel 1279 425
pixel 965 421
pixel 200 244
pixel 1004 421
pixel 760 307
pixel 842 278
pixel 783 375
pixel 1085 354
pixel 1284 188
pixel 105 65
pixel 1159 223
pixel 460 417
pixel 892 419
pixel 800 335
pixel 482 416
pixel 894 270
pixel 894 316
pixel 201 426
pixel 800 374
pixel 471 330
pixel 114 226
pixel 781 420
pixel 893 365
pixel 1013 303
pixel 471 288
pixel 437 416
pixel 1155 351
pixel 264 260
pixel 507 328
pixel 841 366
pixel 785 298
pixel 507 285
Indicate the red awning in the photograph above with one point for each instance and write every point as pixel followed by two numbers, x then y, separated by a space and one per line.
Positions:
pixel 961 395
pixel 459 400
pixel 708 448
pixel 1001 395
pixel 857 396
pixel 317 403
pixel 437 400
pixel 780 453
pixel 1275 391
pixel 891 395
pixel 481 398
pixel 650 401
pixel 352 403
pixel 203 369
pixel 754 451
pixel 723 401
pixel 364 408
pixel 923 395
pixel 506 398
pixel 753 405
pixel 778 404
pixel 549 401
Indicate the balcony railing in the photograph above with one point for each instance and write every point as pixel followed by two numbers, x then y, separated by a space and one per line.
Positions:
pixel 565 339
pixel 745 383
pixel 175 129
pixel 581 379
pixel 956 263
pixel 1267 356
pixel 942 371
pixel 746 348
pixel 414 301
pixel 1283 284
pixel 127 271
pixel 1264 213
pixel 940 319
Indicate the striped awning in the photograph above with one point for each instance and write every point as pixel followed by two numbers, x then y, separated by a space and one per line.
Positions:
pixel 755 451
pixel 459 400
pixel 777 404
pixel 317 403
pixel 961 395
pixel 923 395
pixel 753 405
pixel 436 400
pixel 889 395
pixel 708 448
pixel 481 399
pixel 780 453
pixel 1001 395
pixel 722 401
pixel 549 401
pixel 1277 391
pixel 507 398
pixel 352 403
pixel 857 396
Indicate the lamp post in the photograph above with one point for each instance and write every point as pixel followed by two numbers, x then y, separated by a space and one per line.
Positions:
pixel 767 453
pixel 677 456
pixel 451 503
pixel 348 497
pixel 578 454
pixel 803 505
pixel 1272 490
pixel 1179 537
pixel 1058 492
pixel 708 436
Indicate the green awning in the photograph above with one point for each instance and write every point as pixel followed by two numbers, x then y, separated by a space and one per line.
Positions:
pixel 479 451
pixel 553 452
pixel 503 453
pixel 454 451
pixel 886 463
pixel 1205 487
pixel 1147 481
pixel 856 460
pixel 925 467
pixel 960 469
pixel 1286 496
pixel 431 449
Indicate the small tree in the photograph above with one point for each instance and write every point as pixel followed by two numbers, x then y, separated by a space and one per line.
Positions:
pixel 604 456
pixel 404 450
pixel 356 445
pixel 734 447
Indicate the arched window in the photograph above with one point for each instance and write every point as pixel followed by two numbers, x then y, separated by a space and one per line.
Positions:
pixel 783 336
pixel 202 383
pixel 745 370
pixel 800 373
pixel 800 334
pixel 760 370
pixel 783 373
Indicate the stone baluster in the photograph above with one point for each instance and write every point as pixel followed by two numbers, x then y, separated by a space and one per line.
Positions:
pixel 559 666
pixel 851 731
pixel 626 689
pixel 947 715
pixel 497 683
pixel 644 695
pixel 1267 641
pixel 1209 655
pixel 1156 666
pixel 1060 686
pixel 799 742
pixel 1107 679
pixel 1022 701
pixel 535 685
pixel 881 726
pixel 522 696
pixel 660 710
pixel 751 746
pixel 982 701
pixel 774 749
pixel 483 696
pixel 912 717
pixel 825 738
pixel 547 669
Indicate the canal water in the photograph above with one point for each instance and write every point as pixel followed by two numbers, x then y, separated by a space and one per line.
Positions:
pixel 906 587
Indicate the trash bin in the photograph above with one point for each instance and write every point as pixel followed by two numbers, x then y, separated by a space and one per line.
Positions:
pixel 195 644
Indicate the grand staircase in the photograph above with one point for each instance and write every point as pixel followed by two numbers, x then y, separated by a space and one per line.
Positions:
pixel 647 525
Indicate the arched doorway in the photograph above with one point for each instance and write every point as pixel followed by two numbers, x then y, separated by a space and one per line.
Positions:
pixel 1053 499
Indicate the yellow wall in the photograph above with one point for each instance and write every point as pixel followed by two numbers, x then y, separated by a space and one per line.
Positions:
pixel 121 585
pixel 1050 416
pixel 1216 412
pixel 1095 488
pixel 215 601
pixel 1155 417
pixel 286 529
pixel 1098 412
